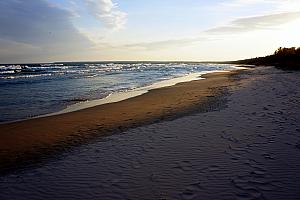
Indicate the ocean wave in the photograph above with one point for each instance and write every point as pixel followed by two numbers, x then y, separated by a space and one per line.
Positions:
pixel 10 67
pixel 85 81
pixel 25 76
pixel 7 72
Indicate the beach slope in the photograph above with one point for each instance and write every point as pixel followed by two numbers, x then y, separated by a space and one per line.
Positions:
pixel 31 139
pixel 246 146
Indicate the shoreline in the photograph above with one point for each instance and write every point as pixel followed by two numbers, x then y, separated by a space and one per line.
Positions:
pixel 121 96
pixel 21 141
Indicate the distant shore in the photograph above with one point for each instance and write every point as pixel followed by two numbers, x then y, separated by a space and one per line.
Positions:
pixel 31 139
pixel 283 58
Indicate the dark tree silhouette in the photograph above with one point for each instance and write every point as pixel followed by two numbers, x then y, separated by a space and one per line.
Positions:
pixel 284 58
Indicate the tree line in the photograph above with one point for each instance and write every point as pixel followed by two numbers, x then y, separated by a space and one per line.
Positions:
pixel 284 58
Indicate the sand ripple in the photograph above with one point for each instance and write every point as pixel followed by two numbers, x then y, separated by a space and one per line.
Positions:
pixel 249 150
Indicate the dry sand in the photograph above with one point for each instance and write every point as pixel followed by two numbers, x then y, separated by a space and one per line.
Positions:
pixel 28 140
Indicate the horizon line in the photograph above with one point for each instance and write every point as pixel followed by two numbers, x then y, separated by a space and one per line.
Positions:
pixel 116 61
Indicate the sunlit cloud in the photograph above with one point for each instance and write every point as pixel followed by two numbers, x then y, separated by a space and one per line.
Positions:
pixel 107 12
pixel 256 23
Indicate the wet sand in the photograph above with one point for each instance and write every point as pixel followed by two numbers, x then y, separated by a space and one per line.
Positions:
pixel 247 149
pixel 27 141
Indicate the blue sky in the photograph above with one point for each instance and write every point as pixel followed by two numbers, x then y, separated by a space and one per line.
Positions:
pixel 73 30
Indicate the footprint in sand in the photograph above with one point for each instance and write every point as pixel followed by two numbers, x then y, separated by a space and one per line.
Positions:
pixel 268 156
pixel 251 186
pixel 298 145
pixel 184 166
pixel 191 191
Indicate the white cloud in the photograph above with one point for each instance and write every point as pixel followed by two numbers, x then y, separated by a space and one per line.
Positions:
pixel 256 23
pixel 107 12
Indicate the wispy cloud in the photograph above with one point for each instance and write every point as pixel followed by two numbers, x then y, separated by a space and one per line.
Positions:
pixel 155 45
pixel 240 25
pixel 255 23
pixel 107 12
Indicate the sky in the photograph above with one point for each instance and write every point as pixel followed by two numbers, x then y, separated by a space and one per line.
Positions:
pixel 145 30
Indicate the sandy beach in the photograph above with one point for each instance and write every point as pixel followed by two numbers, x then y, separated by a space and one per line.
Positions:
pixel 149 100
pixel 31 139
pixel 230 136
